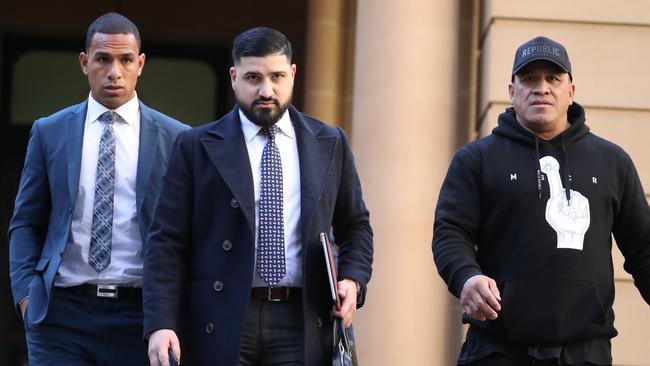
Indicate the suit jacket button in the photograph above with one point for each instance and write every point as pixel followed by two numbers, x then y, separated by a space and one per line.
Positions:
pixel 320 322
pixel 234 203
pixel 227 245
pixel 217 286
pixel 209 328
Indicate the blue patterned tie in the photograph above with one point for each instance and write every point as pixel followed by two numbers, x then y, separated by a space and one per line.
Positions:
pixel 101 235
pixel 270 251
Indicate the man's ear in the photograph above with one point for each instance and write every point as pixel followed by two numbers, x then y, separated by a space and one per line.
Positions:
pixel 141 60
pixel 233 76
pixel 83 62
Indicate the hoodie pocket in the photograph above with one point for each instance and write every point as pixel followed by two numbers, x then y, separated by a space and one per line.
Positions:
pixel 555 311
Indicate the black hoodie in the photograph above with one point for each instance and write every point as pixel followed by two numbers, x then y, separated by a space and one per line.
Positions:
pixel 549 250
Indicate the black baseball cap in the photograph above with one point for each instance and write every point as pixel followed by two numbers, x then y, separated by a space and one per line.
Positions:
pixel 541 48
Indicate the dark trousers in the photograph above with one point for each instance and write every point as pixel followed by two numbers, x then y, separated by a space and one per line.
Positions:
pixel 499 359
pixel 88 330
pixel 273 334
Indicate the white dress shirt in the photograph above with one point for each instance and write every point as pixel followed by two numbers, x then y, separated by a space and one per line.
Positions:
pixel 126 254
pixel 286 141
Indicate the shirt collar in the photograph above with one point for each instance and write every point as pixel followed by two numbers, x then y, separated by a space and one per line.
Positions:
pixel 251 130
pixel 128 111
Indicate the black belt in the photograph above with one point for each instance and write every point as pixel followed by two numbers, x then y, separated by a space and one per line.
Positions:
pixel 276 293
pixel 106 291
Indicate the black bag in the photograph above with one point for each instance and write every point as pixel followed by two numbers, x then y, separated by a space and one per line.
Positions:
pixel 344 351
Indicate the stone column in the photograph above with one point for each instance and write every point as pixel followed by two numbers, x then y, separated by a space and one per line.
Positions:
pixel 403 137
pixel 325 59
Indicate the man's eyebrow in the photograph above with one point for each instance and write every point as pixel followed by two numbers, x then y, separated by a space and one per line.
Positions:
pixel 130 54
pixel 102 53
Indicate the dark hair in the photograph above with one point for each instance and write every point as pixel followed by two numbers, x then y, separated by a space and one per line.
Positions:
pixel 260 42
pixel 112 23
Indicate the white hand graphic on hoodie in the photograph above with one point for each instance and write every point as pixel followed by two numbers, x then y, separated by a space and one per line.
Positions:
pixel 570 220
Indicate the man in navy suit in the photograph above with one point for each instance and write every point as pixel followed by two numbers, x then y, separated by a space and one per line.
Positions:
pixel 83 210
pixel 234 270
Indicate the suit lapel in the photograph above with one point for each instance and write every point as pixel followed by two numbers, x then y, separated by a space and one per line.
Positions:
pixel 74 133
pixel 146 153
pixel 315 153
pixel 224 143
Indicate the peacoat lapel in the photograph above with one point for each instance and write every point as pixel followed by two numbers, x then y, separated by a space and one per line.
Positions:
pixel 146 153
pixel 74 133
pixel 316 154
pixel 224 143
pixel 225 146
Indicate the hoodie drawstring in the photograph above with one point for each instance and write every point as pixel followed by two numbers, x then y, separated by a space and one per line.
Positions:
pixel 567 178
pixel 539 170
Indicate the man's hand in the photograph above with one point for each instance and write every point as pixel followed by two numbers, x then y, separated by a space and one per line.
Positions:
pixel 23 306
pixel 480 298
pixel 160 342
pixel 348 294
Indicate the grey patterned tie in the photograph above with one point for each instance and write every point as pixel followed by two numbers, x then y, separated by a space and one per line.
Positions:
pixel 101 235
pixel 270 251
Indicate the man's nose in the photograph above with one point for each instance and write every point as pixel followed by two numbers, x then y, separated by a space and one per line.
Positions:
pixel 266 89
pixel 114 71
pixel 542 87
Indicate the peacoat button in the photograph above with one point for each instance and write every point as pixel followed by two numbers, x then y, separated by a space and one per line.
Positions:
pixel 227 245
pixel 217 286
pixel 209 328
pixel 234 203
pixel 320 322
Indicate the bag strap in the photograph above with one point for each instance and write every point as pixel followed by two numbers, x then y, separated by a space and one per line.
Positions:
pixel 341 335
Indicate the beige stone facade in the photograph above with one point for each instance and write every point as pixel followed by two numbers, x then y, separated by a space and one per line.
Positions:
pixel 411 81
pixel 408 119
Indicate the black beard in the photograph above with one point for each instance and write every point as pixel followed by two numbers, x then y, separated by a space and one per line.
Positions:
pixel 264 117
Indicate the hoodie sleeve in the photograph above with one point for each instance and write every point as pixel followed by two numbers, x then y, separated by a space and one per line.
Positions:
pixel 457 222
pixel 632 230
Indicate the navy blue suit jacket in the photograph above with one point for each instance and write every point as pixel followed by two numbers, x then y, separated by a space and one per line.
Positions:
pixel 40 226
pixel 199 255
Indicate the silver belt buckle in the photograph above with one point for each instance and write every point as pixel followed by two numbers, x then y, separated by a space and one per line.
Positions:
pixel 109 291
pixel 268 296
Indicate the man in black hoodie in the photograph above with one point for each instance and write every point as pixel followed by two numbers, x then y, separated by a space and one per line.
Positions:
pixel 523 226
